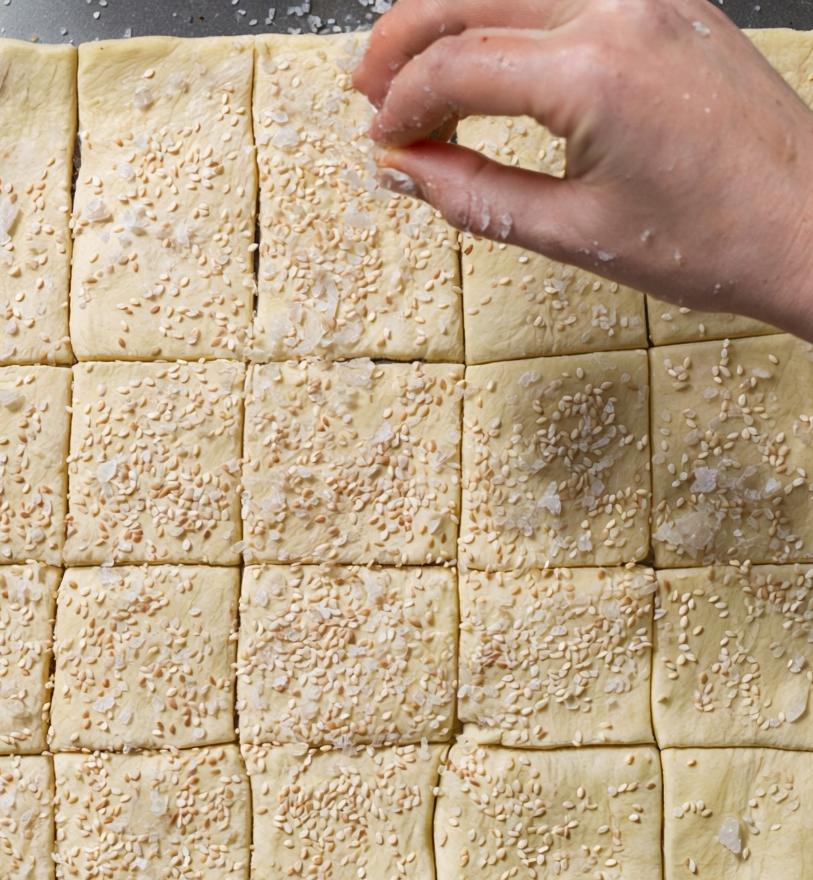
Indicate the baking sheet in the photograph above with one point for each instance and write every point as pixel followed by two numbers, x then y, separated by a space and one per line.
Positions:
pixel 77 21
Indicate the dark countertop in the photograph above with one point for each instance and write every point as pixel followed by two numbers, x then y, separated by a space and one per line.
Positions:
pixel 56 21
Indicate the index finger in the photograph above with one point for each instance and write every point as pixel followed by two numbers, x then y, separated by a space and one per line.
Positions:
pixel 413 25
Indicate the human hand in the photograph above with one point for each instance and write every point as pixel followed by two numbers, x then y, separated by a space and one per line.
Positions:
pixel 688 174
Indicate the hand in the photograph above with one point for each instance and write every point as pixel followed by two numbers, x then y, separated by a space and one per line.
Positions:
pixel 689 159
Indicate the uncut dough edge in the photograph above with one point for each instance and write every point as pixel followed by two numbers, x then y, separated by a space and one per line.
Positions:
pixel 42 223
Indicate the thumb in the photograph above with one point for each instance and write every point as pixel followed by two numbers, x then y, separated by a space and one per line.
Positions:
pixel 475 194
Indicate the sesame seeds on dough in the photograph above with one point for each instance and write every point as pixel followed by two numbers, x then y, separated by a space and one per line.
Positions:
pixel 536 814
pixel 556 657
pixel 165 202
pixel 732 657
pixel 347 269
pixel 352 462
pixel 741 813
pixel 732 429
pixel 26 817
pixel 153 814
pixel 37 131
pixel 331 815
pixel 671 324
pixel 27 594
pixel 556 462
pixel 33 448
pixel 518 304
pixel 347 655
pixel 144 658
pixel 154 467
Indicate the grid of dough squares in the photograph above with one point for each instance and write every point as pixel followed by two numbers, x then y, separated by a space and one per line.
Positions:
pixel 229 606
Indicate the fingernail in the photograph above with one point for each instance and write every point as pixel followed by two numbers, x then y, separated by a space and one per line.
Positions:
pixel 398 182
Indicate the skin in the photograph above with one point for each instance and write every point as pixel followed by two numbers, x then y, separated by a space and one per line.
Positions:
pixel 689 162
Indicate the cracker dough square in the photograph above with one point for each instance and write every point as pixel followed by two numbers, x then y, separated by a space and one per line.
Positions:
pixel 37 133
pixel 34 423
pixel 186 814
pixel 554 657
pixel 519 304
pixel 144 657
pixel 352 462
pixel 512 813
pixel 347 655
pixel 354 816
pixel 26 818
pixel 154 468
pixel 27 595
pixel 347 269
pixel 670 324
pixel 741 813
pixel 732 657
pixel 732 450
pixel 555 462
pixel 165 201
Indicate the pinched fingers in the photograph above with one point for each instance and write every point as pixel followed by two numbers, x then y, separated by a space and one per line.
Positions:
pixel 480 72
pixel 413 25
pixel 478 195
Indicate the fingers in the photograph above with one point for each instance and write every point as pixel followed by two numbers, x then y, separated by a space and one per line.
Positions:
pixel 481 72
pixel 413 25
pixel 486 198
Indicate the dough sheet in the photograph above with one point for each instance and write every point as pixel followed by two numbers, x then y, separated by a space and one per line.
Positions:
pixel 732 657
pixel 155 463
pixel 27 598
pixel 347 269
pixel 26 817
pixel 37 133
pixel 33 447
pixel 328 815
pixel 555 462
pixel 556 657
pixel 144 658
pixel 732 449
pixel 347 655
pixel 165 203
pixel 153 813
pixel 352 462
pixel 564 813
pixel 742 813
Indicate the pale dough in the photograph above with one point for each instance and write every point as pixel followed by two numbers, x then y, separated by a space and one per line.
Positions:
pixel 33 446
pixel 555 657
pixel 347 655
pixel 572 814
pixel 26 818
pixel 732 657
pixel 157 815
pixel 518 304
pixel 328 815
pixel 732 451
pixel 37 133
pixel 737 813
pixel 27 595
pixel 669 324
pixel 352 462
pixel 556 462
pixel 144 657
pixel 165 201
pixel 347 269
pixel 154 468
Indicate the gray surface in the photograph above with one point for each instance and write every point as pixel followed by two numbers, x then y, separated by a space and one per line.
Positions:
pixel 78 21
pixel 56 21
